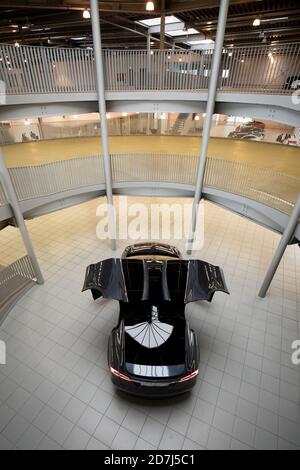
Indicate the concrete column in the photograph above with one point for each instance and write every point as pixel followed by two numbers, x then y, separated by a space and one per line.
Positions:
pixel 285 240
pixel 102 110
pixel 212 89
pixel 14 203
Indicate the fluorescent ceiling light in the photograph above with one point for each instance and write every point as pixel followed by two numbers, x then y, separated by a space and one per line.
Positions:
pixel 274 19
pixel 256 22
pixel 157 21
pixel 200 42
pixel 182 32
pixel 79 39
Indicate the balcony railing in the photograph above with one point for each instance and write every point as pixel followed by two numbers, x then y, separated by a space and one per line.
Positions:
pixel 15 280
pixel 32 182
pixel 255 69
pixel 264 185
pixel 22 268
pixel 3 200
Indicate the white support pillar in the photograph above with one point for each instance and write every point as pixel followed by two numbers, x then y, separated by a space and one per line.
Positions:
pixel 14 203
pixel 149 43
pixel 162 25
pixel 148 71
pixel 212 90
pixel 102 110
pixel 285 240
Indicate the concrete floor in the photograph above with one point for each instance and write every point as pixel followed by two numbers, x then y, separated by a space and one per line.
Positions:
pixel 278 157
pixel 55 391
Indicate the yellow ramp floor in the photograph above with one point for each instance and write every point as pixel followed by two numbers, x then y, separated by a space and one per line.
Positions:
pixel 281 158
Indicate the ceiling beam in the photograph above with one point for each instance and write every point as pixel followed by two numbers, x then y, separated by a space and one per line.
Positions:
pixel 183 6
pixel 247 19
pixel 137 6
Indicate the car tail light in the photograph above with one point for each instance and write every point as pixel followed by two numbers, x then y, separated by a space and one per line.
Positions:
pixel 120 375
pixel 190 376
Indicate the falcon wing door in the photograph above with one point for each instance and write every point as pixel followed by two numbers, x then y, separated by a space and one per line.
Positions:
pixel 180 281
pixel 203 280
pixel 106 279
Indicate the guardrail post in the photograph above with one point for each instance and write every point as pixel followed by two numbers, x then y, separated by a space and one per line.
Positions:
pixel 14 203
pixel 212 89
pixel 102 110
pixel 285 240
pixel 162 25
pixel 148 60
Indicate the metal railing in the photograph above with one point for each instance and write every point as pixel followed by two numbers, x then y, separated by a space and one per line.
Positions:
pixel 257 69
pixel 3 200
pixel 264 185
pixel 261 69
pixel 22 267
pixel 33 69
pixel 154 167
pixel 15 279
pixel 261 184
pixel 32 182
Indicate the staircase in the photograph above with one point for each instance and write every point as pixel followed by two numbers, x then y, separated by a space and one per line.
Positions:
pixel 179 124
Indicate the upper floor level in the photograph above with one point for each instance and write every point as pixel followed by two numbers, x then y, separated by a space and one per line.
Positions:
pixel 258 75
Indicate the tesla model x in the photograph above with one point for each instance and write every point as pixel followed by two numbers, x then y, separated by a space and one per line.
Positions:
pixel 153 352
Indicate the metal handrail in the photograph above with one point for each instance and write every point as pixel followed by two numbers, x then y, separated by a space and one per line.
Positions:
pixel 51 178
pixel 261 184
pixel 22 267
pixel 255 69
pixel 3 199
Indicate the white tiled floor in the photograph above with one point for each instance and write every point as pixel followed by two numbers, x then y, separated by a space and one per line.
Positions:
pixel 55 391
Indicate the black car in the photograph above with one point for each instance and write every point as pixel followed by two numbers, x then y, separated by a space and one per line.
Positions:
pixel 153 352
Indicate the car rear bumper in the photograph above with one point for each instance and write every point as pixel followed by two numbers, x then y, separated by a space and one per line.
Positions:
pixel 153 390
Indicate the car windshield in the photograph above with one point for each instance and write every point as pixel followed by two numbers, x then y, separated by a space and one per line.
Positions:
pixel 153 250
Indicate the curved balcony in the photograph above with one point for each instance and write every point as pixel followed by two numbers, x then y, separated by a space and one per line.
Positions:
pixel 43 76
pixel 261 194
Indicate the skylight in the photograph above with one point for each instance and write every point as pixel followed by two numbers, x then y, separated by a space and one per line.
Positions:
pixel 200 42
pixel 182 32
pixel 175 27
pixel 156 21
